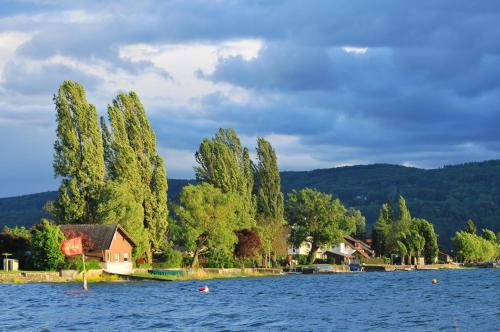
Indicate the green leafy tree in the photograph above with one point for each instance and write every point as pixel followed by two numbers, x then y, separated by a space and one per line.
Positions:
pixel 269 201
pixel 470 227
pixel 268 193
pixel 359 221
pixel 317 218
pixel 133 161
pixel 426 230
pixel 209 217
pixel 120 205
pixel 398 229
pixel 45 243
pixel 470 247
pixel 489 235
pixel 78 157
pixel 381 229
pixel 225 164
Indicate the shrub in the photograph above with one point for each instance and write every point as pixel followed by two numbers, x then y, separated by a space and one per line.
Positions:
pixel 301 259
pixel 77 264
pixel 169 259
pixel 46 241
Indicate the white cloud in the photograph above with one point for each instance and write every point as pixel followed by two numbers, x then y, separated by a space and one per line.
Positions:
pixel 183 62
pixel 9 42
pixel 355 50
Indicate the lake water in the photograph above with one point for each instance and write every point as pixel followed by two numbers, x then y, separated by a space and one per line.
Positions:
pixel 465 300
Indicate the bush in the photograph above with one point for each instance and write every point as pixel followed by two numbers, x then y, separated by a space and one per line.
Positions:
pixel 77 264
pixel 301 259
pixel 218 258
pixel 169 259
pixel 46 241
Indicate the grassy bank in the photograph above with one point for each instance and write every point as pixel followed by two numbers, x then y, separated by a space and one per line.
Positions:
pixel 202 275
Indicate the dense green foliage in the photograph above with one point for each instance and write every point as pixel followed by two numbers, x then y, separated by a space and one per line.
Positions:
pixel 78 157
pixel 169 259
pixel 269 202
pixel 225 164
pixel 471 247
pixel 209 218
pixel 317 218
pixel 45 243
pixel 470 227
pixel 17 242
pixel 405 236
pixel 136 187
pixel 136 172
pixel 269 198
pixel 446 196
pixel 27 210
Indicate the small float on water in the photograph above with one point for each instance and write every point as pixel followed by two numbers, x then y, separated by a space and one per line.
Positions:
pixel 204 289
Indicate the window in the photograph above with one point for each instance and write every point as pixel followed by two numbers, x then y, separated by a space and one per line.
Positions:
pixel 108 256
pixel 117 257
pixel 125 257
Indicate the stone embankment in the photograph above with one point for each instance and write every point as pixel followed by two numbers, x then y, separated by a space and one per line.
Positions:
pixel 46 276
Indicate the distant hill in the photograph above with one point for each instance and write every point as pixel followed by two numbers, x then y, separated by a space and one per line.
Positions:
pixel 28 209
pixel 446 196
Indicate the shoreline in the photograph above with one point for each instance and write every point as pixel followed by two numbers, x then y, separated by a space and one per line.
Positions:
pixel 97 276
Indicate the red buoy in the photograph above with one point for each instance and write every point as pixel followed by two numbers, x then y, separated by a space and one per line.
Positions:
pixel 203 289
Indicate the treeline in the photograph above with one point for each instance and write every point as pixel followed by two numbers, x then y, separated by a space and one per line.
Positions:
pixel 470 247
pixel 236 214
pixel 404 236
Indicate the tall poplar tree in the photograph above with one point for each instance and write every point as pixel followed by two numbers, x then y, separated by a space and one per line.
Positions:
pixel 269 201
pixel 135 161
pixel 225 164
pixel 269 197
pixel 78 157
pixel 123 194
pixel 381 229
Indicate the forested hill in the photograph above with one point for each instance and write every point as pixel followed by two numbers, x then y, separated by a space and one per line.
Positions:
pixel 28 209
pixel 446 196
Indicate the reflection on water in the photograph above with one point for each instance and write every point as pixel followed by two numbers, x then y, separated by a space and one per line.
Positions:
pixel 466 300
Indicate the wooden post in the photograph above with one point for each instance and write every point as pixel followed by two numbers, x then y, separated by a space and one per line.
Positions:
pixel 84 273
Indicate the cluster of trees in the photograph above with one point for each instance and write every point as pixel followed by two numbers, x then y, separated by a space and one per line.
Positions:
pixel 110 172
pixel 471 247
pixel 236 210
pixel 319 219
pixel 35 248
pixel 405 236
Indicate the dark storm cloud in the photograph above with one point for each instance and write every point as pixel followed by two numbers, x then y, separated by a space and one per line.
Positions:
pixel 425 91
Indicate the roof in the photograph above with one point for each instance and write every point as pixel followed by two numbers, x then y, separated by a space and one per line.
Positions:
pixel 338 253
pixel 101 235
pixel 351 239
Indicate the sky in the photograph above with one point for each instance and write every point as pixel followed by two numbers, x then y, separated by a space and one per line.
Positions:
pixel 328 83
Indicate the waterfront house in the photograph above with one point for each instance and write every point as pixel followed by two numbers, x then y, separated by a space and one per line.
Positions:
pixel 349 251
pixel 111 246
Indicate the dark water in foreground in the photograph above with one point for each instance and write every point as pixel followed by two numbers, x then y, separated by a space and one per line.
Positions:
pixel 466 300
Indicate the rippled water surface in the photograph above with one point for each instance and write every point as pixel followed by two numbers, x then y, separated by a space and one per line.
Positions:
pixel 465 300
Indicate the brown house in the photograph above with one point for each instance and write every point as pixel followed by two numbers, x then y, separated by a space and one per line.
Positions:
pixel 112 246
pixel 361 247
